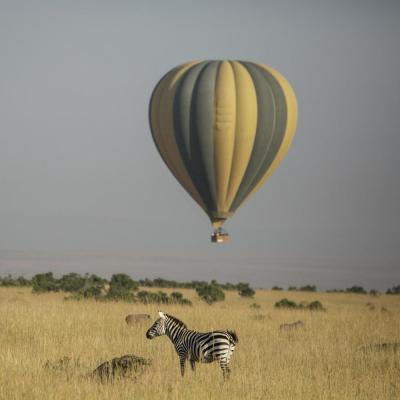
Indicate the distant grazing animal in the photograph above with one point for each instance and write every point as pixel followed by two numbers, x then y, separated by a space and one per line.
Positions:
pixel 195 346
pixel 294 325
pixel 132 319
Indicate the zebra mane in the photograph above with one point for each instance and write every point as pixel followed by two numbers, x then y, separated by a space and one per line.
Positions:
pixel 177 321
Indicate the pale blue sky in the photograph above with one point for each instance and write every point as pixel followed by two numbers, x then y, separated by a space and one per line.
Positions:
pixel 80 179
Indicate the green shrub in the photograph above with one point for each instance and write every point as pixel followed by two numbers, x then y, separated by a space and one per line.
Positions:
pixel 92 292
pixel 308 288
pixel 313 306
pixel 8 281
pixel 185 302
pixel 276 288
pixel 123 282
pixel 146 297
pixel 210 293
pixel 162 298
pixel 356 289
pixel 245 290
pixel 44 283
pixel 115 293
pixel 394 290
pixel 122 287
pixel 285 303
pixel 21 281
pixel 177 296
pixel 71 282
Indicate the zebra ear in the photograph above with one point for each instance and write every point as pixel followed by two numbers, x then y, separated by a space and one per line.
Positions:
pixel 161 314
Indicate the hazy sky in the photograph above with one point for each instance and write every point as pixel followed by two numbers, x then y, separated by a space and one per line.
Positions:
pixel 83 188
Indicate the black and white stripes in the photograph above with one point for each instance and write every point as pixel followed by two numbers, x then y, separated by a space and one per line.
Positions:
pixel 195 346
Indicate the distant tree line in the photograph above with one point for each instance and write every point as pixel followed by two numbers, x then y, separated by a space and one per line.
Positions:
pixel 166 283
pixel 394 290
pixel 352 289
pixel 9 281
pixel 306 288
pixel 122 287
pixel 90 285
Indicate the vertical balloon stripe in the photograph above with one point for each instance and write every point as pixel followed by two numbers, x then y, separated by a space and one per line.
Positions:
pixel 155 104
pixel 184 132
pixel 277 133
pixel 245 130
pixel 224 130
pixel 279 139
pixel 270 95
pixel 201 127
pixel 266 121
pixel 182 114
pixel 291 123
pixel 163 130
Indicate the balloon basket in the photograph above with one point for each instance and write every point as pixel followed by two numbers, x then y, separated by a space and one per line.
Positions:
pixel 219 236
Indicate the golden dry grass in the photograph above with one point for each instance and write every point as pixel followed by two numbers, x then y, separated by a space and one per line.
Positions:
pixel 321 361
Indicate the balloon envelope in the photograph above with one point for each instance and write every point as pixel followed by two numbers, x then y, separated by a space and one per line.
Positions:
pixel 222 127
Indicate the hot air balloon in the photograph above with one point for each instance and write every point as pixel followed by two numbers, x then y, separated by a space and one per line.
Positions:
pixel 222 127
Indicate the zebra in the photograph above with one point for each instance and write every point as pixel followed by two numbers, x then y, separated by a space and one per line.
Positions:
pixel 195 346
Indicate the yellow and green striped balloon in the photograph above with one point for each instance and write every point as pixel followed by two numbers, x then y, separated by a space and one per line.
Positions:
pixel 222 127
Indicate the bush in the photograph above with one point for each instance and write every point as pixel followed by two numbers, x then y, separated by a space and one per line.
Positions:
pixel 245 290
pixel 44 283
pixel 308 288
pixel 84 287
pixel 210 293
pixel 120 294
pixel 123 282
pixel 394 290
pixel 9 281
pixel 255 306
pixel 356 289
pixel 122 287
pixel 285 303
pixel 71 282
pixel 276 288
pixel 313 306
pixel 92 292
pixel 177 296
pixel 162 298
pixel 21 281
pixel 292 288
pixel 151 297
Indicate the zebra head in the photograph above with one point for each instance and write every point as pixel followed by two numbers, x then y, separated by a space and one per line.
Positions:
pixel 158 328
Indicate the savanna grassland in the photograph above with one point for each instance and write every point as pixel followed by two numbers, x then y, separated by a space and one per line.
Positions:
pixel 326 359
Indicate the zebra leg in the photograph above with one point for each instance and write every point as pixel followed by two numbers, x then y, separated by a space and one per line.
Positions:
pixel 182 364
pixel 193 365
pixel 223 362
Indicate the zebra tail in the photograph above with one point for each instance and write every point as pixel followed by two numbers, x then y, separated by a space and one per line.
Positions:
pixel 234 338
